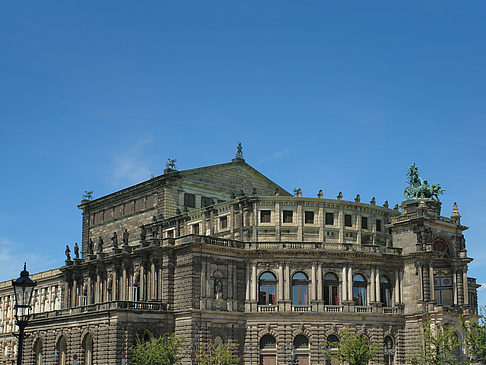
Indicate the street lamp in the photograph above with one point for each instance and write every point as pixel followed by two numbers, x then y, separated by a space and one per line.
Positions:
pixel 23 289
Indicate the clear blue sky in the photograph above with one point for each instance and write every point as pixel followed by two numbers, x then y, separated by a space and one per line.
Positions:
pixel 339 96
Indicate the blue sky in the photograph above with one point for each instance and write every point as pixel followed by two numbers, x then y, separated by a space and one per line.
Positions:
pixel 339 96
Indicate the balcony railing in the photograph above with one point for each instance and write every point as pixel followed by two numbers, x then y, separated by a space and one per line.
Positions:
pixel 113 305
pixel 363 309
pixel 268 308
pixel 301 308
pixel 333 308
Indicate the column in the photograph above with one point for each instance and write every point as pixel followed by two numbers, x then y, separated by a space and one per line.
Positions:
pixel 247 277
pixel 287 282
pixel 153 285
pixel 116 285
pixel 75 288
pixel 97 287
pixel 313 282
pixel 341 225
pixel 142 282
pixel 276 220
pixel 464 281
pixel 280 282
pixel 89 290
pixel 431 281
pixel 300 222
pixel 253 281
pixel 123 286
pixel 397 286
pixel 344 285
pixel 421 281
pixel 159 281
pixel 378 291
pixel 373 286
pixel 321 224
pixel 350 284
pixel 319 281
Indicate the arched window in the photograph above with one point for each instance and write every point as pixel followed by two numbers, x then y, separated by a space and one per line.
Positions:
pixel 268 342
pixel 267 289
pixel 385 292
pixel 389 350
pixel 443 286
pixel 38 352
pixel 88 349
pixel 442 247
pixel 301 341
pixel 359 289
pixel 300 289
pixel 331 286
pixel 61 350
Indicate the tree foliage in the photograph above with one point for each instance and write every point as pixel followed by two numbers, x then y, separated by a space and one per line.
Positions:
pixel 439 347
pixel 352 347
pixel 222 354
pixel 475 338
pixel 163 350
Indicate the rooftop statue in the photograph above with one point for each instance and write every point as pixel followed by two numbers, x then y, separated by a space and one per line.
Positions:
pixel 170 164
pixel 239 151
pixel 88 195
pixel 418 186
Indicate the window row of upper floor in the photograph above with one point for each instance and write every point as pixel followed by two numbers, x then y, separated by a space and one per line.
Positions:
pixel 309 217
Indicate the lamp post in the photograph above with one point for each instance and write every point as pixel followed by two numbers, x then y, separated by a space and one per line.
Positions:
pixel 23 289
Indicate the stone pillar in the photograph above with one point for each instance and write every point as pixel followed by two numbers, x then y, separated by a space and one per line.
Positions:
pixel 341 225
pixel 142 282
pixel 378 291
pixel 74 293
pixel 397 286
pixel 160 292
pixel 300 222
pixel 247 277
pixel 277 222
pixel 431 282
pixel 88 300
pixel 358 227
pixel 313 282
pixel 465 285
pixel 153 282
pixel 350 284
pixel 321 222
pixel 253 281
pixel 123 286
pixel 344 286
pixel 287 281
pixel 426 283
pixel 280 282
pixel 373 285
pixel 232 222
pixel 319 281
pixel 116 285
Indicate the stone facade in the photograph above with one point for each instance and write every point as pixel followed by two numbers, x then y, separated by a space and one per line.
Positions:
pixel 221 253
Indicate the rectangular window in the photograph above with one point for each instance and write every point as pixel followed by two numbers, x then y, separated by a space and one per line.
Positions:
pixel 206 202
pixel 330 219
pixel 347 220
pixel 287 216
pixel 378 225
pixel 364 222
pixel 189 200
pixel 223 222
pixel 264 216
pixel 170 233
pixel 309 217
pixel 195 228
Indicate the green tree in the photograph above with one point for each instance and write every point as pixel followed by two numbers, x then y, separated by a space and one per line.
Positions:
pixel 352 347
pixel 163 350
pixel 475 338
pixel 222 354
pixel 439 346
